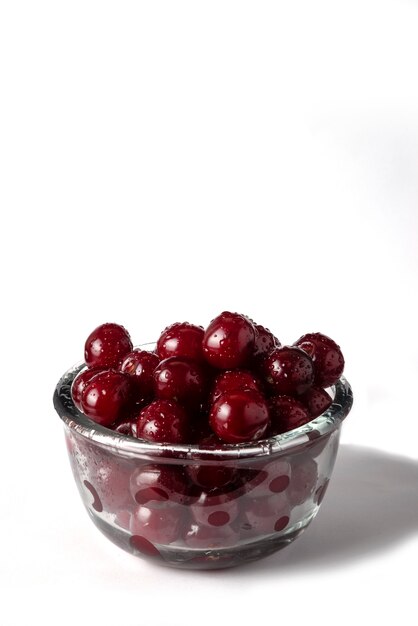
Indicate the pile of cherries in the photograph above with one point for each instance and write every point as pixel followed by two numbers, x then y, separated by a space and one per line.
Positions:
pixel 233 382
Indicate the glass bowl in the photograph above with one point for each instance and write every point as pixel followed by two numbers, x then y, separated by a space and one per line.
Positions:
pixel 139 494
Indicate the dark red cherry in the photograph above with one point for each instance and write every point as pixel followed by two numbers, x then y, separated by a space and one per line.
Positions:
pixel 215 475
pixel 232 380
pixel 107 397
pixel 107 345
pixel 157 525
pixel 289 371
pixel 327 357
pixel 181 380
pixel 229 341
pixel 239 416
pixel 163 421
pixel 287 413
pixel 80 382
pixel 157 485
pixel 265 342
pixel 316 400
pixel 303 479
pixel 141 364
pixel 181 340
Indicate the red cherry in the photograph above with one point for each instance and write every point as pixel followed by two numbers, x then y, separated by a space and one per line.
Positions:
pixel 229 341
pixel 110 480
pixel 239 416
pixel 327 357
pixel 287 413
pixel 80 382
pixel 181 380
pixel 316 400
pixel 266 515
pixel 215 509
pixel 163 421
pixel 181 340
pixel 203 537
pixel 232 380
pixel 304 477
pixel 289 371
pixel 141 364
pixel 107 397
pixel 107 345
pixel 265 342
pixel 215 475
pixel 158 485
pixel 161 526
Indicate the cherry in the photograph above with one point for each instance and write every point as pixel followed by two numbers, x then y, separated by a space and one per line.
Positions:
pixel 215 509
pixel 232 380
pixel 181 380
pixel 80 382
pixel 327 357
pixel 289 371
pixel 229 341
pixel 266 515
pixel 161 526
pixel 287 413
pixel 107 397
pixel 304 477
pixel 265 342
pixel 203 537
pixel 107 345
pixel 181 339
pixel 157 485
pixel 126 426
pixel 163 421
pixel 316 400
pixel 110 480
pixel 239 416
pixel 213 476
pixel 140 364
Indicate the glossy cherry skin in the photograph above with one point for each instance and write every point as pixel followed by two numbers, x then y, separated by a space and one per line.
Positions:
pixel 157 485
pixel 287 413
pixel 265 342
pixel 107 345
pixel 107 397
pixel 316 400
pixel 80 383
pixel 228 341
pixel 181 380
pixel 232 380
pixel 161 526
pixel 239 416
pixel 163 421
pixel 181 339
pixel 213 476
pixel 303 479
pixel 289 371
pixel 215 509
pixel 327 357
pixel 141 364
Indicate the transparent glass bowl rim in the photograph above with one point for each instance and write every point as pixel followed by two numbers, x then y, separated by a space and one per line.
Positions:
pixel 129 447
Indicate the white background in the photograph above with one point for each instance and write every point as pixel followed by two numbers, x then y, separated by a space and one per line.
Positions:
pixel 163 161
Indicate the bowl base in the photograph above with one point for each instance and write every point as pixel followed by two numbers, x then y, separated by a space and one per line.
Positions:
pixel 216 558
